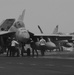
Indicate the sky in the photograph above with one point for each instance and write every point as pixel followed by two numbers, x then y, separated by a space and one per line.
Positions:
pixel 46 13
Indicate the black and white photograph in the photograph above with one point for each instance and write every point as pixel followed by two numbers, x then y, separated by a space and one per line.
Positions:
pixel 36 37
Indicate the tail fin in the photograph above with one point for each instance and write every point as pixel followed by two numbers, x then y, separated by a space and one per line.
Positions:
pixel 21 17
pixel 40 29
pixel 5 26
pixel 19 23
pixel 55 30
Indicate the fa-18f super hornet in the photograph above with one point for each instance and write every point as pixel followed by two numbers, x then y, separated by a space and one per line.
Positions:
pixel 54 40
pixel 12 28
pixel 17 28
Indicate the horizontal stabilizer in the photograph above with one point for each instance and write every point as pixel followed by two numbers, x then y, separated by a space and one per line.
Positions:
pixel 5 26
pixel 6 33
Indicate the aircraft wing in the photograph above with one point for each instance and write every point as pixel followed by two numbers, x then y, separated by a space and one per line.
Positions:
pixel 54 36
pixel 4 33
pixel 65 37
pixel 6 24
pixel 45 35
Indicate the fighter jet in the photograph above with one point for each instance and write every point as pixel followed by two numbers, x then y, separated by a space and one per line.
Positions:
pixel 17 28
pixel 53 41
pixel 23 35
pixel 4 33
pixel 49 44
pixel 64 42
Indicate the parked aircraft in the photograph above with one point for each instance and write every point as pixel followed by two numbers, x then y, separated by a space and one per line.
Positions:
pixel 55 40
pixel 4 33
pixel 47 45
pixel 64 42
pixel 23 35
pixel 16 28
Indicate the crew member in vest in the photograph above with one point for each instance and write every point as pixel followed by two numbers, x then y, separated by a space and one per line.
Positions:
pixel 8 42
pixel 14 43
pixel 42 45
pixel 33 46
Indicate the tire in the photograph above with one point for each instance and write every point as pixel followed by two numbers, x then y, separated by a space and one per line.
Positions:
pixel 28 52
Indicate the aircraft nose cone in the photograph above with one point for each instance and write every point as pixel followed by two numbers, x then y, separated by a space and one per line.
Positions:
pixel 50 45
pixel 25 35
pixel 22 35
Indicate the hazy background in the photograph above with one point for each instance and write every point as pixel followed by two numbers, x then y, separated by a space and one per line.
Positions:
pixel 46 13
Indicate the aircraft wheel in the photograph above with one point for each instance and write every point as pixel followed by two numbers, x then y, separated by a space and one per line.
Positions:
pixel 36 52
pixel 2 50
pixel 22 53
pixel 42 52
pixel 7 52
pixel 17 53
pixel 32 52
pixel 13 53
pixel 50 50
pixel 61 48
pixel 28 52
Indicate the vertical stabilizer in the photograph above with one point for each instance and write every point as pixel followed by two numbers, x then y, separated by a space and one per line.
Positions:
pixel 40 29
pixel 55 30
pixel 19 23
pixel 21 17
